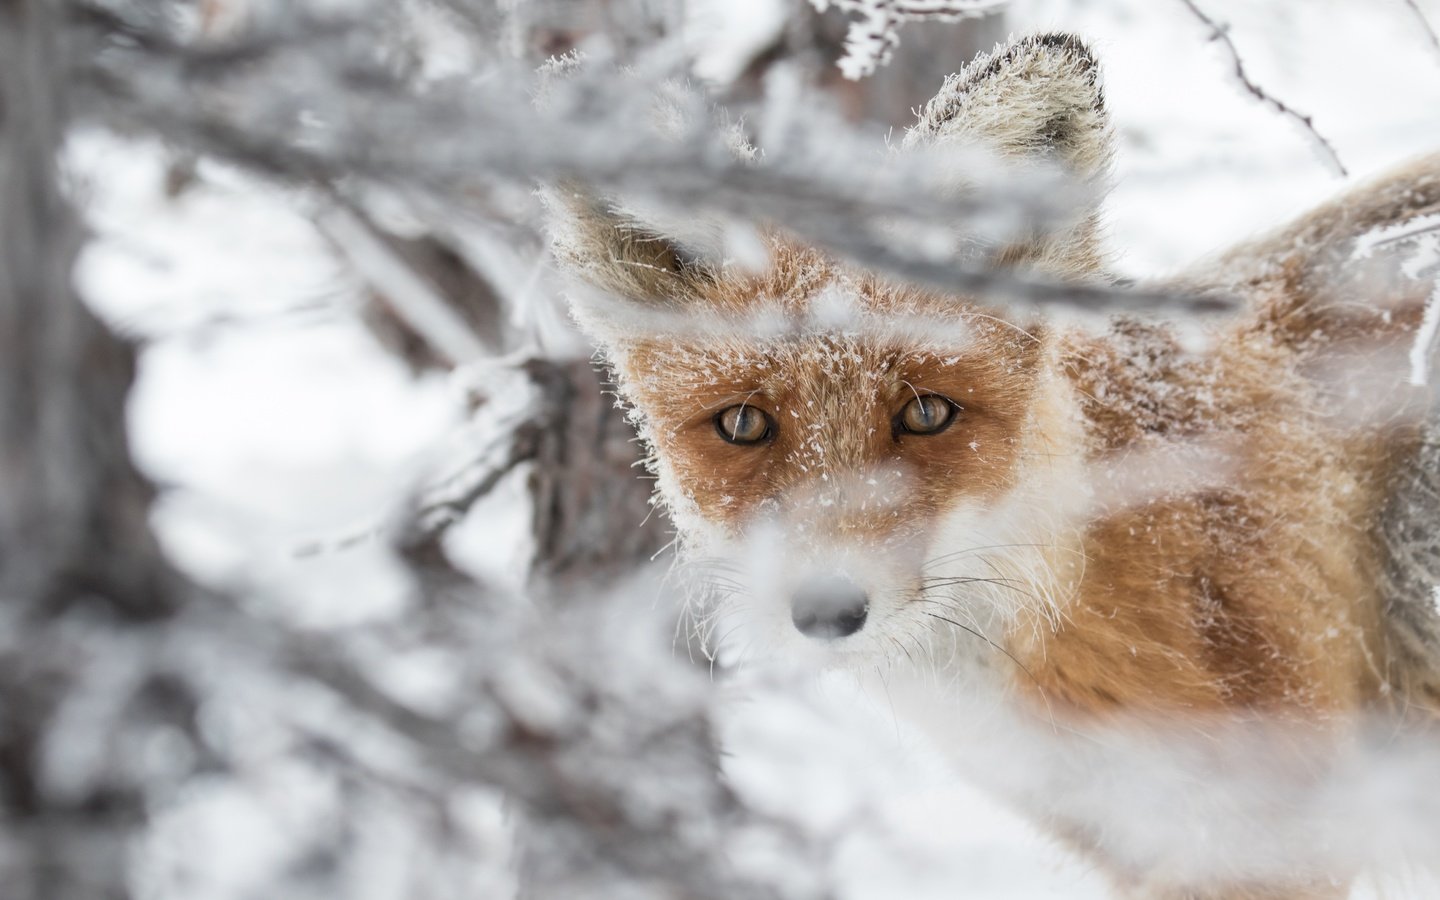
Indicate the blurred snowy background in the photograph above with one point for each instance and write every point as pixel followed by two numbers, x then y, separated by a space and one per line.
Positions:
pixel 288 434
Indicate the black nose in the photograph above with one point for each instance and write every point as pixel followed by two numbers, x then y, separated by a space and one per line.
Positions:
pixel 829 608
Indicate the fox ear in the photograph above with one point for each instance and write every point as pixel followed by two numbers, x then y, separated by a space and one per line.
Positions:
pixel 1037 98
pixel 627 259
pixel 637 254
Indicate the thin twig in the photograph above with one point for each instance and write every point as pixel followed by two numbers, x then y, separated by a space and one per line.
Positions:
pixel 1220 34
pixel 1424 24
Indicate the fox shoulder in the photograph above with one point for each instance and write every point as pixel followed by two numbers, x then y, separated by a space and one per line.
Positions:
pixel 1351 285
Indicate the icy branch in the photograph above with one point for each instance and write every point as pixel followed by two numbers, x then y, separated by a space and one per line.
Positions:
pixel 872 38
pixel 450 141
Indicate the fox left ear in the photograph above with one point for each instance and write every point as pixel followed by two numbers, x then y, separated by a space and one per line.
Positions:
pixel 1036 98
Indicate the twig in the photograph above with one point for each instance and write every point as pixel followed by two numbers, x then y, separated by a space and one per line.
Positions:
pixel 431 515
pixel 1220 33
pixel 1424 24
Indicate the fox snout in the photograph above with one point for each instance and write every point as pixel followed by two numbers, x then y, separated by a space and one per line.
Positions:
pixel 829 608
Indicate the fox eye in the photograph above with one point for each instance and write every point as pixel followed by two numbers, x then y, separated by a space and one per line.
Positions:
pixel 928 414
pixel 743 425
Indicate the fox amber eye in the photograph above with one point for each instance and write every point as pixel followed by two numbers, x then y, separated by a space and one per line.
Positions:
pixel 743 425
pixel 929 414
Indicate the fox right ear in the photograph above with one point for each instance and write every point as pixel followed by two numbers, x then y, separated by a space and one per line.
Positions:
pixel 631 258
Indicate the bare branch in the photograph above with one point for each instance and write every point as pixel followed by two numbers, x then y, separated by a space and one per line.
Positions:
pixel 1424 24
pixel 1220 33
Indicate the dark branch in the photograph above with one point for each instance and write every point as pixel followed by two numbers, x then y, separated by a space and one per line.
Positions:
pixel 1425 25
pixel 1220 34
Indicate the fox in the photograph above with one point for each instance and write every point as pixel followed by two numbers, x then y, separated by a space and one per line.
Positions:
pixel 1075 524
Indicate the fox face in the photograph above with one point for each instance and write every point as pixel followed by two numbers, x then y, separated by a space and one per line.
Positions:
pixel 850 460
pixel 819 472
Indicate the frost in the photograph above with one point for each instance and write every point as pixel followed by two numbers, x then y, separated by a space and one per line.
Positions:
pixel 871 39
pixel 1424 349
pixel 1417 242
pixel 1421 228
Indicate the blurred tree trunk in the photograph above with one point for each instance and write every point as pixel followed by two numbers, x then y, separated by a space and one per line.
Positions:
pixel 73 516
pixel 592 519
pixel 77 558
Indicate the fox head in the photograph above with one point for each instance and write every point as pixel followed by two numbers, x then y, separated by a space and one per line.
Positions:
pixel 850 460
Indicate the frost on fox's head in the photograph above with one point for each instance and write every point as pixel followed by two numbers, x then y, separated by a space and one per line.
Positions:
pixel 849 457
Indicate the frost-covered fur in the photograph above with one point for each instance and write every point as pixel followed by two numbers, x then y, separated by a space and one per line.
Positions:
pixel 1124 524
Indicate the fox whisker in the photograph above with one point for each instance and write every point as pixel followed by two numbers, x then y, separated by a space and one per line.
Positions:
pixel 1046 545
pixel 982 636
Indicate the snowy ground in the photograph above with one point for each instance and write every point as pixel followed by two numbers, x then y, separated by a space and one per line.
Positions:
pixel 273 420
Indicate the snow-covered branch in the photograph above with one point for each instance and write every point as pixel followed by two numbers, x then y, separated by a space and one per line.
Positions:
pixel 875 33
pixel 453 140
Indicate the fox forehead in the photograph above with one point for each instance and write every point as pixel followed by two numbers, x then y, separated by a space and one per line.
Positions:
pixel 810 371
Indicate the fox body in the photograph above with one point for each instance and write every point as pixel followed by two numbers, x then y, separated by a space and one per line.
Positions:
pixel 1132 521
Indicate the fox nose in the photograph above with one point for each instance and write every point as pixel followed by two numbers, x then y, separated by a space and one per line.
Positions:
pixel 829 608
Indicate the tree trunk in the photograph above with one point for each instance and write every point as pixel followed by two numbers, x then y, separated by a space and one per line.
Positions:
pixel 79 568
pixel 593 521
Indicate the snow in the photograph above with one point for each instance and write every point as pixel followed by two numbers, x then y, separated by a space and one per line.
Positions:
pixel 1418 240
pixel 832 760
pixel 1423 350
